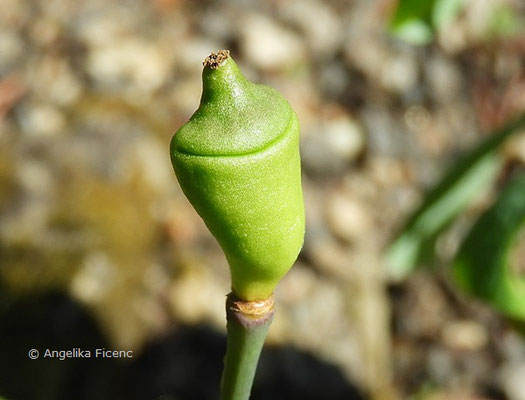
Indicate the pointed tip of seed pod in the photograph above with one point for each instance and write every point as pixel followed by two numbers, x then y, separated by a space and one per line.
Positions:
pixel 215 60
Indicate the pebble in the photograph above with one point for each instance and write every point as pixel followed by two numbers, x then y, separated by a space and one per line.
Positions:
pixel 26 221
pixel 464 335
pixel 427 131
pixel 296 285
pixel 417 118
pixel 105 144
pixel 148 156
pixel 11 50
pixel 440 365
pixel 334 79
pixel 385 136
pixel 367 56
pixel 387 172
pixel 183 226
pixel 198 294
pixel 444 79
pixel 268 45
pixel 102 26
pixel 512 347
pixel 347 217
pixel 453 39
pixel 395 69
pixel 311 319
pixel 478 16
pixel 424 308
pixel 53 79
pixel 512 380
pixel 35 177
pixel 399 72
pixel 318 22
pixel 41 120
pixel 185 97
pixel 192 52
pixel 332 145
pixel 94 279
pixel 45 31
pixel 15 13
pixel 216 23
pixel 128 62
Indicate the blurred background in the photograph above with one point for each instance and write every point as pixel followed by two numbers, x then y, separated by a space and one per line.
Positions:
pixel 100 249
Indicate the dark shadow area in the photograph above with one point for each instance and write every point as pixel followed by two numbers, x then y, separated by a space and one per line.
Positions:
pixel 51 321
pixel 288 373
pixel 184 365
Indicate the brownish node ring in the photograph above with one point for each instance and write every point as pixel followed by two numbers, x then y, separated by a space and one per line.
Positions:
pixel 251 309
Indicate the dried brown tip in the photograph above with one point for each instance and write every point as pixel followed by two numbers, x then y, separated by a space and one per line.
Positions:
pixel 215 60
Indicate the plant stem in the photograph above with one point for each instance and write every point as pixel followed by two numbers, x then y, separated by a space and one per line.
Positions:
pixel 248 323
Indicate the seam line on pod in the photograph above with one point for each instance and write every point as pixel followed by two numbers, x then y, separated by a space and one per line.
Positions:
pixel 261 150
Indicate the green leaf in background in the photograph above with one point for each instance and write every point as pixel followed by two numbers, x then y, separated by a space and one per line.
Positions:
pixel 414 31
pixel 504 22
pixel 444 11
pixel 482 266
pixel 472 176
pixel 411 21
pixel 416 20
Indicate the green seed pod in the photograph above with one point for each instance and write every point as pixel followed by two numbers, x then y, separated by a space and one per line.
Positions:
pixel 237 161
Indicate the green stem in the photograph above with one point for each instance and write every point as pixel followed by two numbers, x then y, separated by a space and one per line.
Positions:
pixel 248 324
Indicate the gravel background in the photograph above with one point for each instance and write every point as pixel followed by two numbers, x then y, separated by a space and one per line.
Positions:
pixel 98 246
